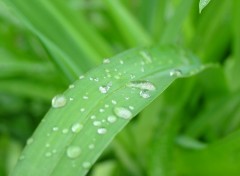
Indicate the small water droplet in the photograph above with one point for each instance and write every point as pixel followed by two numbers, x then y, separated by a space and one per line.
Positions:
pixel 85 97
pixel 122 112
pixel 81 76
pixel 48 154
pixel 143 85
pixel 104 89
pixel 29 141
pixel 101 110
pixel 106 106
pixel 93 117
pixel 106 61
pixel 86 165
pixel 71 99
pixel 114 102
pixel 145 94
pixel 121 62
pixel 97 123
pixel 65 131
pixel 54 151
pixel 47 145
pixel 59 101
pixel 131 107
pixel 102 131
pixel 126 98
pixel 73 151
pixel 71 86
pixel 91 146
pixel 82 109
pixel 55 129
pixel 76 127
pixel 111 119
pixel 176 72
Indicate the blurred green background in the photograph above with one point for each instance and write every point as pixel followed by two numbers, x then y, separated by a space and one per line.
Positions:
pixel 192 129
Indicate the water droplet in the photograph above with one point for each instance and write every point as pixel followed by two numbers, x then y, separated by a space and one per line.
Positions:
pixel 65 131
pixel 71 99
pixel 86 165
pixel 48 154
pixel 29 141
pixel 73 151
pixel 122 112
pixel 101 110
pixel 93 117
pixel 81 76
pixel 131 107
pixel 54 151
pixel 55 129
pixel 76 127
pixel 96 79
pixel 91 146
pixel 132 76
pixel 111 119
pixel 106 61
pixel 143 85
pixel 104 89
pixel 176 72
pixel 145 94
pixel 71 86
pixel 106 106
pixel 121 62
pixel 114 102
pixel 102 131
pixel 85 97
pixel 82 109
pixel 47 145
pixel 126 98
pixel 59 101
pixel 97 123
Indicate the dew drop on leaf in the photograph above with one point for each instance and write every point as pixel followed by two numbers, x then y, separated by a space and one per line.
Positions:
pixel 97 123
pixel 106 61
pixel 111 119
pixel 104 89
pixel 59 101
pixel 76 127
pixel 176 72
pixel 101 130
pixel 122 112
pixel 48 154
pixel 29 141
pixel 73 151
pixel 143 85
pixel 144 94
pixel 86 165
pixel 91 146
pixel 65 131
pixel 71 86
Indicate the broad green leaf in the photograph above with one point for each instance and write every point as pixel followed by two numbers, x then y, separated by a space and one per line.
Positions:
pixel 73 44
pixel 87 116
pixel 203 4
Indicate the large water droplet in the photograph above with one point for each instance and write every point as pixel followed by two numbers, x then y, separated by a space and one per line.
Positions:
pixel 143 85
pixel 59 101
pixel 102 131
pixel 176 72
pixel 104 89
pixel 145 94
pixel 76 127
pixel 73 151
pixel 122 112
pixel 111 119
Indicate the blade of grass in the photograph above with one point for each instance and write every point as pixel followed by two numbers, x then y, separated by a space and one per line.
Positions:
pixel 131 30
pixel 203 4
pixel 173 27
pixel 72 136
pixel 68 44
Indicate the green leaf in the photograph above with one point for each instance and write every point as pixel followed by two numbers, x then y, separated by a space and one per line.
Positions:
pixel 85 119
pixel 203 4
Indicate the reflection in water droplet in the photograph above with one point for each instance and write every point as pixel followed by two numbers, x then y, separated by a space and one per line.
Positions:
pixel 122 112
pixel 73 151
pixel 111 119
pixel 59 101
pixel 145 94
pixel 102 131
pixel 176 72
pixel 143 85
pixel 76 127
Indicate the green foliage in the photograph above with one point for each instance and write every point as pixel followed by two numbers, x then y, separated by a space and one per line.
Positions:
pixel 110 119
